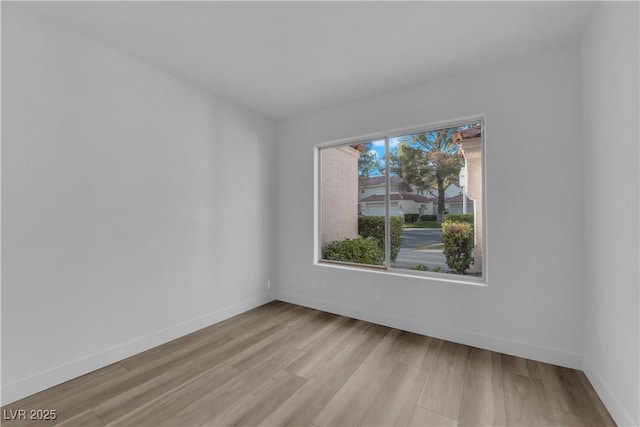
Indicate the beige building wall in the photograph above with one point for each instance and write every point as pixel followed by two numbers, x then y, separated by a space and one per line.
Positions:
pixel 472 149
pixel 339 192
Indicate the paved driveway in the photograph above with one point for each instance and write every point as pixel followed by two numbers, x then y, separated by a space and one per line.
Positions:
pixel 411 253
pixel 419 237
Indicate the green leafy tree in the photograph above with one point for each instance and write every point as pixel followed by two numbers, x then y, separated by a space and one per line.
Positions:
pixel 369 164
pixel 428 160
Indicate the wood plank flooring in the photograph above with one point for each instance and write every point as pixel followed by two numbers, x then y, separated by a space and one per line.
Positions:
pixel 282 364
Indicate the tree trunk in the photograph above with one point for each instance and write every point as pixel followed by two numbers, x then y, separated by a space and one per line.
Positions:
pixel 440 199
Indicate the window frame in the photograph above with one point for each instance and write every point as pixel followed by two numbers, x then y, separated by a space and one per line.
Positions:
pixel 387 268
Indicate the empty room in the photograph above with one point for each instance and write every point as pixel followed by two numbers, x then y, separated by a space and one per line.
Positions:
pixel 320 213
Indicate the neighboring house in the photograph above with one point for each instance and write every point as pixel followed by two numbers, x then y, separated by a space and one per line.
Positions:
pixel 451 191
pixel 371 198
pixel 453 200
pixel 375 185
pixel 400 204
pixel 455 204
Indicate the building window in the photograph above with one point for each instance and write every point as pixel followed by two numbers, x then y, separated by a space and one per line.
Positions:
pixel 409 202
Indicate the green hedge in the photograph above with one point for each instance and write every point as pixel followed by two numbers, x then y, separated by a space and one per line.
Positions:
pixel 468 218
pixel 458 244
pixel 373 226
pixel 411 217
pixel 361 250
pixel 430 218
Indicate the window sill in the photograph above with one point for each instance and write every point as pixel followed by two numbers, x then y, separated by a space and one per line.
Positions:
pixel 410 274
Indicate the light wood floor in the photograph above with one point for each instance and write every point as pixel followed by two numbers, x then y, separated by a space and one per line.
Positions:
pixel 282 364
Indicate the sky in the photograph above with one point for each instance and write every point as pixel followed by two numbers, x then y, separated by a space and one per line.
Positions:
pixel 378 146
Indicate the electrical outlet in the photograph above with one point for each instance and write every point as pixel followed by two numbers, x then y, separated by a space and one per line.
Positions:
pixel 269 284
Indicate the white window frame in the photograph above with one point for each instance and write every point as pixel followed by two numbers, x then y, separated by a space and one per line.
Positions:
pixel 387 268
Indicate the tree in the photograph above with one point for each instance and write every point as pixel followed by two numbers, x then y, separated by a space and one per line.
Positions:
pixel 369 164
pixel 428 160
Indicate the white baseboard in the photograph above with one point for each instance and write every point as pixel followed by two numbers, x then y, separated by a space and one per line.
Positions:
pixel 488 342
pixel 620 415
pixel 43 380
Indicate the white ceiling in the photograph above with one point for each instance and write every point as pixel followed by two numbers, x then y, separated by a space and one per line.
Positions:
pixel 286 58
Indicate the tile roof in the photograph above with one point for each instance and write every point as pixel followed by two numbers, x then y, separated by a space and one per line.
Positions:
pixel 470 133
pixel 414 197
pixel 397 196
pixel 378 180
pixel 455 199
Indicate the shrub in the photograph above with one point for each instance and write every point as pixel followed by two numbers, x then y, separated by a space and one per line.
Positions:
pixel 430 218
pixel 468 218
pixel 411 217
pixel 421 267
pixel 361 250
pixel 458 244
pixel 373 226
pixel 396 236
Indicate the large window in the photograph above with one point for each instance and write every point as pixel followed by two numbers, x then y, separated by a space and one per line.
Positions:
pixel 409 202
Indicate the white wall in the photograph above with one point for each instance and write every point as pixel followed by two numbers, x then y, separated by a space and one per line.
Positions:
pixel 125 222
pixel 610 90
pixel 135 207
pixel 533 304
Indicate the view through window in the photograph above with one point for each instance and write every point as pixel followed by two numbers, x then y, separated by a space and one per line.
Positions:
pixel 409 202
